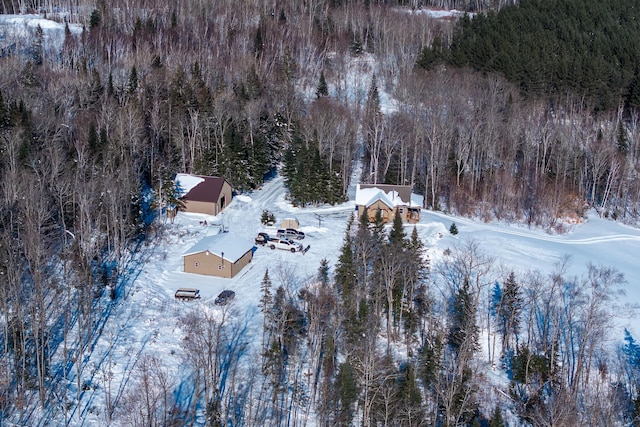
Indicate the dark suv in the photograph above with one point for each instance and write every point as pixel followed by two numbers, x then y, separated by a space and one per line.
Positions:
pixel 225 297
pixel 290 233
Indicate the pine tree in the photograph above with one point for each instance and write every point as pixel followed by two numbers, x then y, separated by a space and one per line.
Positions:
pixel 265 289
pixel 110 87
pixel 5 119
pixel 623 143
pixel 408 393
pixel 132 84
pixel 510 308
pixel 37 48
pixel 372 106
pixel 463 331
pixel 323 272
pixel 453 229
pixel 431 56
pixel 345 275
pixel 397 236
pixel 377 227
pixel 267 218
pixel 347 390
pixel 496 418
pixel 96 89
pixel 94 141
pixel 95 20
pixel 258 44
pixel 322 89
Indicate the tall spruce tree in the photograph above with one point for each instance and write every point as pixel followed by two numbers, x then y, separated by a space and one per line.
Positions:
pixel 397 236
pixel 509 311
pixel 463 330
pixel 323 89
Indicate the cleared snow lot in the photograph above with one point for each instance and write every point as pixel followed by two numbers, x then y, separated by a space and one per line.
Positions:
pixel 147 322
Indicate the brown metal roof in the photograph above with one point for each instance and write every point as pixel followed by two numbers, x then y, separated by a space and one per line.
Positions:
pixel 207 191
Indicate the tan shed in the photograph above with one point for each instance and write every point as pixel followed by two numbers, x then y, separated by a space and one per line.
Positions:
pixel 221 255
pixel 290 223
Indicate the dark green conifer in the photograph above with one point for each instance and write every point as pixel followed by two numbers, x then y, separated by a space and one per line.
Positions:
pixel 322 89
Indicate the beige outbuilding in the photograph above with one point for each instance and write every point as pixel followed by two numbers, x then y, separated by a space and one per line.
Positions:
pixel 204 194
pixel 221 255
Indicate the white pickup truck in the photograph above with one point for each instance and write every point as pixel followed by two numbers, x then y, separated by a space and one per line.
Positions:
pixel 286 244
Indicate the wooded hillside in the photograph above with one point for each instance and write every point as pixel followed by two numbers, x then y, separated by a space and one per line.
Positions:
pixel 93 131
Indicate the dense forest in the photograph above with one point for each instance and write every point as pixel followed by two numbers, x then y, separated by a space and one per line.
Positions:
pixel 549 48
pixel 523 113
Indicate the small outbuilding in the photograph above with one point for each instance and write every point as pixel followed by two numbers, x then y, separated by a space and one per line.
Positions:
pixel 203 194
pixel 290 223
pixel 221 255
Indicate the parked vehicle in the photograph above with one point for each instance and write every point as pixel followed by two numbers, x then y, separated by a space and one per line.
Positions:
pixel 262 239
pixel 225 297
pixel 290 233
pixel 187 294
pixel 285 244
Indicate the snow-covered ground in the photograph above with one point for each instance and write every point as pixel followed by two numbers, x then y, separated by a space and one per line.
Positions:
pixel 21 28
pixel 147 322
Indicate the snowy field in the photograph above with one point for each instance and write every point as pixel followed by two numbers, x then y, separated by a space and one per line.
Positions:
pixel 147 322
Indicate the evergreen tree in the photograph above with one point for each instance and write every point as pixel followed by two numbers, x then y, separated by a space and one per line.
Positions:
pixel 94 141
pixel 345 271
pixel 347 389
pixel 5 119
pixel 96 89
pixel 110 88
pixel 397 236
pixel 258 44
pixel 463 331
pixel 322 89
pixel 510 308
pixel 28 75
pixel 408 392
pixel 265 289
pixel 453 229
pixel 132 84
pixel 431 56
pixel 37 48
pixel 623 143
pixel 372 106
pixel 323 272
pixel 496 418
pixel 267 218
pixel 377 227
pixel 95 20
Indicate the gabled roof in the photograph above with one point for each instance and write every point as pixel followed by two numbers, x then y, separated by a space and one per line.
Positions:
pixel 232 245
pixel 390 195
pixel 199 188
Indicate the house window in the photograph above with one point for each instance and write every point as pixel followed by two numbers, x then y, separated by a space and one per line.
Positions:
pixel 196 264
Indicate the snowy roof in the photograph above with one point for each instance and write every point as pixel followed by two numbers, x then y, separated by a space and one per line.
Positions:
pixel 231 245
pixel 366 195
pixel 199 188
pixel 186 182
